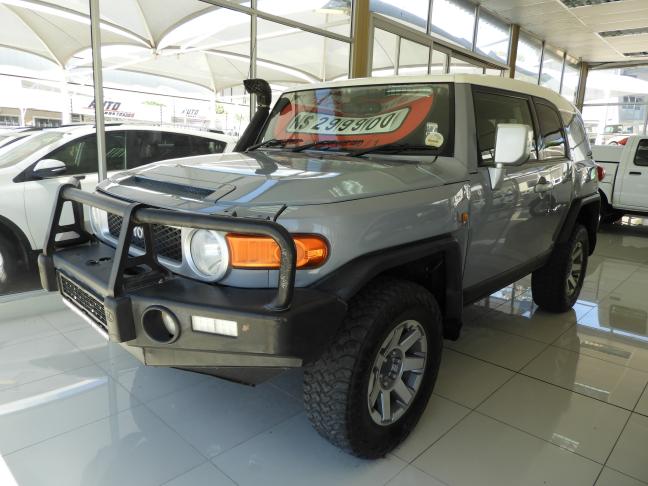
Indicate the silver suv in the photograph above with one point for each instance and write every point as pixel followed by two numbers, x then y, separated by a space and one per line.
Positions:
pixel 345 234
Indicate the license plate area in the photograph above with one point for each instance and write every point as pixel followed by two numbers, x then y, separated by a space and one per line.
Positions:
pixel 84 302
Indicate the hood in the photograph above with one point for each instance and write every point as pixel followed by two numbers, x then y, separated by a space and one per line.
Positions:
pixel 272 178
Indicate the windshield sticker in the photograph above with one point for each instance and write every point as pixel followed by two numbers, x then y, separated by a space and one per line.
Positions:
pixel 321 124
pixel 434 139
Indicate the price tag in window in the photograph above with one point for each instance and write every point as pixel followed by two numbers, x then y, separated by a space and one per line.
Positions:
pixel 321 124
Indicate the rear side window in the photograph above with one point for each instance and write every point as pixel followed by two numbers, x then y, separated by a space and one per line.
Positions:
pixel 552 131
pixel 641 157
pixel 145 147
pixel 202 146
pixel 492 109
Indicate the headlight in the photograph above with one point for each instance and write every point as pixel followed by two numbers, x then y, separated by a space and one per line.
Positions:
pixel 208 254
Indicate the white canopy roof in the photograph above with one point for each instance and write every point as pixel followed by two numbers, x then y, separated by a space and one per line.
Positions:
pixel 188 40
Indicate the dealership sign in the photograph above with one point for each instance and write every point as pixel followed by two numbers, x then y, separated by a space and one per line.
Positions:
pixel 111 108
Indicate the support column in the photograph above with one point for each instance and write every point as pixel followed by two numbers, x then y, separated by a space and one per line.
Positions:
pixel 582 84
pixel 361 48
pixel 513 48
pixel 253 55
pixel 97 74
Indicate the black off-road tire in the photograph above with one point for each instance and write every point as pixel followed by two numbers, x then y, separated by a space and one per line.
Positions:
pixel 336 385
pixel 9 264
pixel 549 284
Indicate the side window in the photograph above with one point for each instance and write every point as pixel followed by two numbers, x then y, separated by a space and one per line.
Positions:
pixel 202 146
pixel 115 150
pixel 641 157
pixel 146 146
pixel 552 131
pixel 492 109
pixel 80 156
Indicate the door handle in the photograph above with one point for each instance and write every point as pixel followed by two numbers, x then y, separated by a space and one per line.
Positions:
pixel 543 186
pixel 634 173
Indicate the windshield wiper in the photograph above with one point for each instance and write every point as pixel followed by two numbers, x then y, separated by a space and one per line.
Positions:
pixel 274 142
pixel 396 148
pixel 325 143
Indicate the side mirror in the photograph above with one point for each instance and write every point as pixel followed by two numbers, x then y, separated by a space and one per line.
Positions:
pixel 46 168
pixel 512 147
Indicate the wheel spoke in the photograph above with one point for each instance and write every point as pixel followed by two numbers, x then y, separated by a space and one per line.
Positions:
pixel 578 252
pixel 571 282
pixel 385 406
pixel 413 363
pixel 409 340
pixel 395 338
pixel 576 267
pixel 402 391
pixel 375 390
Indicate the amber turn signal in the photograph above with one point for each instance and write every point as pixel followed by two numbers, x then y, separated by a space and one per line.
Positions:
pixel 249 251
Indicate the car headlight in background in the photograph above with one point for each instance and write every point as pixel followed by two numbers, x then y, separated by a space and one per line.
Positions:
pixel 208 254
pixel 98 220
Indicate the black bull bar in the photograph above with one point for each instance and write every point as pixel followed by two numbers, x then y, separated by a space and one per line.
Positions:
pixel 116 302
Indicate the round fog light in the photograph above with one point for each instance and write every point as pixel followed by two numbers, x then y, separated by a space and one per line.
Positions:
pixel 160 325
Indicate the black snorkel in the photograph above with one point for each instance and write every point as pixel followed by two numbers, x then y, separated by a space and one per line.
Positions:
pixel 261 89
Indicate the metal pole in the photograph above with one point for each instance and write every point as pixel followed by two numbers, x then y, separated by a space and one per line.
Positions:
pixel 253 54
pixel 95 37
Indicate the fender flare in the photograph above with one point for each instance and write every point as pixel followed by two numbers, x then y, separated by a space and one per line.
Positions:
pixel 590 204
pixel 347 280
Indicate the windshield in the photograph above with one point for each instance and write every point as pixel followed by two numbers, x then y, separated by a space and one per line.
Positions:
pixel 418 116
pixel 22 149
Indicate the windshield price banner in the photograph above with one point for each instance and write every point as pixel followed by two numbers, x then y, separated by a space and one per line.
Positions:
pixel 321 124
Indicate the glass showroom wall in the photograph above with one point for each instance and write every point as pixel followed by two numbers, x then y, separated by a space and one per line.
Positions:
pixel 414 38
pixel 462 37
pixel 166 71
pixel 616 104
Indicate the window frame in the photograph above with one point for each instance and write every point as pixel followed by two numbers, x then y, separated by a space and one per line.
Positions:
pixel 644 142
pixel 540 144
pixel 476 89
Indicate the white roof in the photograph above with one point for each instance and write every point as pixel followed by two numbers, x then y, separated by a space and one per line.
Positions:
pixel 477 79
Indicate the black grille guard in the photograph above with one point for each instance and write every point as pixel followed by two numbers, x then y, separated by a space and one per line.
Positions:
pixel 137 214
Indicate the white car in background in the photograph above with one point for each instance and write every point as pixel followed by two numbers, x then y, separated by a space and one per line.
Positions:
pixel 624 187
pixel 32 169
pixel 11 135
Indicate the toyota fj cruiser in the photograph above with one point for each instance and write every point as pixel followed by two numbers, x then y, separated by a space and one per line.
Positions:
pixel 344 235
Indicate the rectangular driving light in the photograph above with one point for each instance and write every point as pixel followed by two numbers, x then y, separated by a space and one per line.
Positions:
pixel 214 326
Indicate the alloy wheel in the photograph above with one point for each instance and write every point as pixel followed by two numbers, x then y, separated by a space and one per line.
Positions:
pixel 397 372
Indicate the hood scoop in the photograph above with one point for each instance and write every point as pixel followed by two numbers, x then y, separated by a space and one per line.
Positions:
pixel 178 190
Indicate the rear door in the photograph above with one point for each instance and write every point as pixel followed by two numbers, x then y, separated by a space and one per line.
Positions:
pixel 555 155
pixel 633 190
pixel 509 225
pixel 147 146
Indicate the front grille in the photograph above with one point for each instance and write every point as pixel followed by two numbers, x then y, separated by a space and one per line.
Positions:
pixel 84 300
pixel 167 239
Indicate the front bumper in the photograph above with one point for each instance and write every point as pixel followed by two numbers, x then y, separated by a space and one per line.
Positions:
pixel 270 338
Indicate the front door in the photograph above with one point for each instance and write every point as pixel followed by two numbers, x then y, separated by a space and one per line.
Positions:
pixel 634 186
pixel 80 157
pixel 508 225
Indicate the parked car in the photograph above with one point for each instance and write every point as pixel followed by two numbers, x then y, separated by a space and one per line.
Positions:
pixel 31 170
pixel 345 234
pixel 624 189
pixel 11 135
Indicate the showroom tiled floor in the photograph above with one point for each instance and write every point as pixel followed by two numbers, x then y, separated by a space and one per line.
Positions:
pixel 523 397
